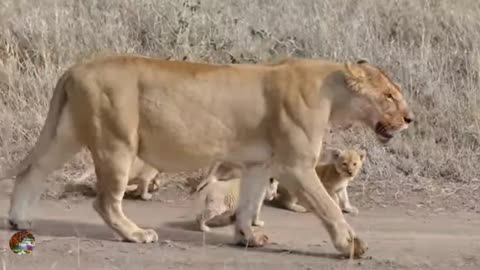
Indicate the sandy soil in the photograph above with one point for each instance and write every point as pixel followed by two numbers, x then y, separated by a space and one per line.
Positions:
pixel 71 236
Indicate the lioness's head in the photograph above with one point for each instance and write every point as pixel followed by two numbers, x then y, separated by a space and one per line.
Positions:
pixel 348 162
pixel 272 188
pixel 377 100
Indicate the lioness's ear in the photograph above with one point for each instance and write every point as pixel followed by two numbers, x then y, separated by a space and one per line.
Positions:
pixel 355 71
pixel 362 61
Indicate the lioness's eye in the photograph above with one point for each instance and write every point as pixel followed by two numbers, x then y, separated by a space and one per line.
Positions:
pixel 354 164
pixel 389 96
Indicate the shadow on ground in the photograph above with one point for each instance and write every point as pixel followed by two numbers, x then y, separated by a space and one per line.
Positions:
pixel 175 231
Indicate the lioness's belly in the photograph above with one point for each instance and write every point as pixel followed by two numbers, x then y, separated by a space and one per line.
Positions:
pixel 177 139
pixel 186 121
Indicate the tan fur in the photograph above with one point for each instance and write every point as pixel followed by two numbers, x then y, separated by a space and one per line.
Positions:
pixel 220 199
pixel 267 119
pixel 142 179
pixel 336 176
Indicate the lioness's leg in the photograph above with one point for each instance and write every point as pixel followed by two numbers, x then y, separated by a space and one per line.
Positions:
pixel 344 202
pixel 28 185
pixel 112 167
pixel 310 190
pixel 252 188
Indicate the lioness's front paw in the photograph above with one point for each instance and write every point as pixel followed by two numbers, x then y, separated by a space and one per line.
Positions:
pixel 360 247
pixel 344 239
pixel 258 223
pixel 345 247
pixel 144 236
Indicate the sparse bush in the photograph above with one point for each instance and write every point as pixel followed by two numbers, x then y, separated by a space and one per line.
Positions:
pixel 430 47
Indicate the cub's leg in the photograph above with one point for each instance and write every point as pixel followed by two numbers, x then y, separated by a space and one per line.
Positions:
pixel 305 181
pixel 344 202
pixel 29 184
pixel 214 206
pixel 256 220
pixel 112 166
pixel 252 188
pixel 290 201
pixel 145 179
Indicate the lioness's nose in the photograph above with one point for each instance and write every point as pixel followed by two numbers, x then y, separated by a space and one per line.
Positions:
pixel 408 118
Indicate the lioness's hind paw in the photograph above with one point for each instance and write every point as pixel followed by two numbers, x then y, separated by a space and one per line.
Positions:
pixel 144 236
pixel 19 225
pixel 258 240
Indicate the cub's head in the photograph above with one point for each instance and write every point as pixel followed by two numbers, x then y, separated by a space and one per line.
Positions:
pixel 377 100
pixel 348 162
pixel 272 188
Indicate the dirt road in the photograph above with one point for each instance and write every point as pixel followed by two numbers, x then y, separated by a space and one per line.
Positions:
pixel 72 236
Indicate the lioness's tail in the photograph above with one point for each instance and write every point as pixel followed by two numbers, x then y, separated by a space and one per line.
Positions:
pixel 49 129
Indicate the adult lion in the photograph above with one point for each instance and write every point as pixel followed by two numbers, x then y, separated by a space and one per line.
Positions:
pixel 268 120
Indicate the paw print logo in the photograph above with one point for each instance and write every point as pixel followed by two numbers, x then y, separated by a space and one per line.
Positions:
pixel 22 242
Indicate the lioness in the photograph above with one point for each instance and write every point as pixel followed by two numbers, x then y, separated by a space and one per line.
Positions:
pixel 268 120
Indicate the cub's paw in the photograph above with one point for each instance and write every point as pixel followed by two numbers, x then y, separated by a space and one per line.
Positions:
pixel 258 223
pixel 351 210
pixel 296 208
pixel 204 228
pixel 146 196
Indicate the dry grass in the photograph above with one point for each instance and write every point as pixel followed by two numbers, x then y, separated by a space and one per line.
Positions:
pixel 429 46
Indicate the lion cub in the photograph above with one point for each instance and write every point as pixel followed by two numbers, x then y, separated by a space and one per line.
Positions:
pixel 220 200
pixel 335 177
pixel 142 180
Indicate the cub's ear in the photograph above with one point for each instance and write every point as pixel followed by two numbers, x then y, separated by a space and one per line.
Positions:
pixel 272 180
pixel 363 154
pixel 336 153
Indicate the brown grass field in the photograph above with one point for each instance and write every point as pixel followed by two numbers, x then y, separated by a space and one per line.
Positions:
pixel 430 47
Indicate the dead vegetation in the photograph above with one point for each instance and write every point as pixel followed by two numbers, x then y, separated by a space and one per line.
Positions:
pixel 429 46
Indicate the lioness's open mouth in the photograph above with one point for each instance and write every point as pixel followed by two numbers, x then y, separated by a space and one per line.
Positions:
pixel 382 133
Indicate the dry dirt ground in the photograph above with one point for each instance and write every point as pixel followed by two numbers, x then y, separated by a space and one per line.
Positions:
pixel 70 235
